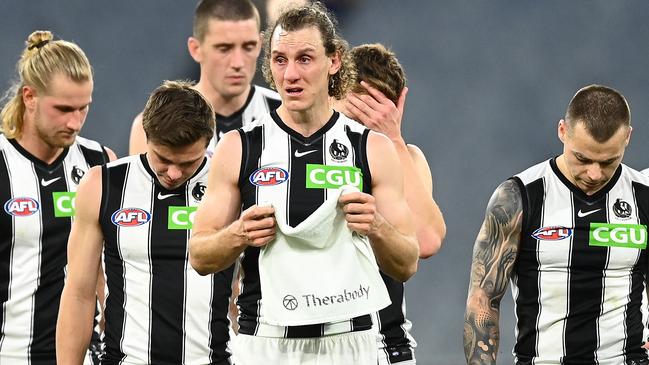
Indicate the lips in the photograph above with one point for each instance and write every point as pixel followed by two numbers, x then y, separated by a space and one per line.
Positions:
pixel 293 91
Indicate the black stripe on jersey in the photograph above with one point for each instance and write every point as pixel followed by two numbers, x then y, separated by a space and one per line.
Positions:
pixel 113 263
pixel 391 320
pixel 633 313
pixel 528 284
pixel 272 104
pixel 6 237
pixel 587 265
pixel 360 156
pixel 219 325
pixel 54 238
pixel 94 157
pixel 168 280
pixel 251 147
pixel 301 202
pixel 361 323
pixel 233 121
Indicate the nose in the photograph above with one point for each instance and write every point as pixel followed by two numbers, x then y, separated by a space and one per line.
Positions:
pixel 594 172
pixel 237 59
pixel 174 172
pixel 75 121
pixel 290 72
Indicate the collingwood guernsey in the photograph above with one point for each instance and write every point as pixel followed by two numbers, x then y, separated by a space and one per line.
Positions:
pixel 297 171
pixel 38 202
pixel 158 310
pixel 260 101
pixel 579 277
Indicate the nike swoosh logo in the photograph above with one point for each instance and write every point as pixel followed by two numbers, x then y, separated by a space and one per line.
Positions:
pixel 49 182
pixel 300 154
pixel 165 196
pixel 581 214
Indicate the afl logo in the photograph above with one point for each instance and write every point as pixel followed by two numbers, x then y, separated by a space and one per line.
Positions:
pixel 21 207
pixel 554 233
pixel 130 217
pixel 267 176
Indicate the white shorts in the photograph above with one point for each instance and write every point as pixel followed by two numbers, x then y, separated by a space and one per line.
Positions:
pixel 353 348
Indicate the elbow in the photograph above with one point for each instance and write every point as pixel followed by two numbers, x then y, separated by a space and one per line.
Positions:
pixel 430 242
pixel 199 266
pixel 406 272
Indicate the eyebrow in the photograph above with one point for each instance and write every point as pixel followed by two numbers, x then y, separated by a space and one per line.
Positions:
pixel 584 158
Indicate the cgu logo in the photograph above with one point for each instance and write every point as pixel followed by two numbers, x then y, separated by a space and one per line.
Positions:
pixel 21 207
pixel 63 203
pixel 181 217
pixel 553 233
pixel 333 177
pixel 618 235
pixel 267 176
pixel 130 217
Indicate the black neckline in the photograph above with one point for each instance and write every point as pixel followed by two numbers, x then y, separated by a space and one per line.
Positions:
pixel 305 140
pixel 240 111
pixel 181 188
pixel 37 161
pixel 580 193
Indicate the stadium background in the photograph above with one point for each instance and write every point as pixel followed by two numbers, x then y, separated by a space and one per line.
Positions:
pixel 488 82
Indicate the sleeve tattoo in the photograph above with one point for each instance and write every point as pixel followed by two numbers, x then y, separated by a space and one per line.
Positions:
pixel 494 254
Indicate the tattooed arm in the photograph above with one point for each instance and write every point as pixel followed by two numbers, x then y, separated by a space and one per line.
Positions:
pixel 494 254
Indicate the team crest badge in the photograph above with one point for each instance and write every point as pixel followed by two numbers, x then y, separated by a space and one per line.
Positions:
pixel 622 209
pixel 338 151
pixel 77 174
pixel 198 191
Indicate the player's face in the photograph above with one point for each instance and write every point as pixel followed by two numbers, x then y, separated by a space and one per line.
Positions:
pixel 591 164
pixel 301 68
pixel 228 55
pixel 60 113
pixel 175 165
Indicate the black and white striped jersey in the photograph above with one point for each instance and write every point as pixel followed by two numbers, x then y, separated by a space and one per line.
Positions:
pixel 396 343
pixel 295 174
pixel 260 101
pixel 38 202
pixel 158 310
pixel 579 276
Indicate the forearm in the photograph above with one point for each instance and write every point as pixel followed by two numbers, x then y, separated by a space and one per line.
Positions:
pixel 396 253
pixel 74 327
pixel 429 222
pixel 211 252
pixel 481 333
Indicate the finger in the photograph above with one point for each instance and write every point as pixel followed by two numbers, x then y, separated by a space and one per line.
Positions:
pixel 359 208
pixel 261 234
pixel 376 94
pixel 373 104
pixel 360 115
pixel 258 212
pixel 254 225
pixel 355 197
pixel 359 228
pixel 366 218
pixel 360 104
pixel 259 242
pixel 401 103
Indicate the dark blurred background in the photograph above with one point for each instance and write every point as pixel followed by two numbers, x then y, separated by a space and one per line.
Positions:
pixel 488 81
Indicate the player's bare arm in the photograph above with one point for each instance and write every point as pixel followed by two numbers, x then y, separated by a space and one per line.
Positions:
pixel 220 232
pixel 384 216
pixel 137 140
pixel 78 301
pixel 380 114
pixel 494 254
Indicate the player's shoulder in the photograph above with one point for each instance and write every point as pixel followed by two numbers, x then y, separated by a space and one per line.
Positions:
pixel 123 161
pixel 89 144
pixel 535 172
pixel 637 176
pixel 266 93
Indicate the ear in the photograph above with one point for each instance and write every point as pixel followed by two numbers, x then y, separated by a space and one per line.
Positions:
pixel 30 97
pixel 336 63
pixel 260 44
pixel 628 136
pixel 194 48
pixel 562 130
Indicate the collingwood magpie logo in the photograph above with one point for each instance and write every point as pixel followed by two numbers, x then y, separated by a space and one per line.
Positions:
pixel 76 174
pixel 198 191
pixel 622 209
pixel 338 150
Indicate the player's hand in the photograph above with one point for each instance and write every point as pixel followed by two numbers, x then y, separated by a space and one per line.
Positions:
pixel 376 111
pixel 256 226
pixel 360 212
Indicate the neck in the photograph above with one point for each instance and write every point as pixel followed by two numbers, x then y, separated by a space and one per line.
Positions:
pixel 38 148
pixel 306 122
pixel 223 105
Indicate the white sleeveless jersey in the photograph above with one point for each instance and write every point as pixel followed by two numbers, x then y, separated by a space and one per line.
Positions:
pixel 158 310
pixel 260 101
pixel 579 277
pixel 34 226
pixel 295 172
